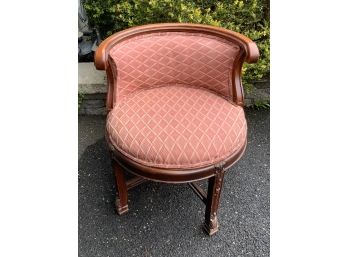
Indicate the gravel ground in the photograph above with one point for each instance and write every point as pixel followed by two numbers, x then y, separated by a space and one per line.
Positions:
pixel 165 219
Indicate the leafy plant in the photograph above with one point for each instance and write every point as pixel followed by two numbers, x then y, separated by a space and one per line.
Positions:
pixel 80 99
pixel 261 104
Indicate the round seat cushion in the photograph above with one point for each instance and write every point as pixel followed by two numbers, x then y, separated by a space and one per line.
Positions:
pixel 176 127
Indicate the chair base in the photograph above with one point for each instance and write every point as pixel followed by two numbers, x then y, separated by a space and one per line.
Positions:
pixel 210 198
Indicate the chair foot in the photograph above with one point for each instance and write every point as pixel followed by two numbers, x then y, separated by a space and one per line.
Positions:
pixel 211 225
pixel 121 209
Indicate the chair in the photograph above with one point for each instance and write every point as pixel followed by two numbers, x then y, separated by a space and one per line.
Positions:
pixel 175 106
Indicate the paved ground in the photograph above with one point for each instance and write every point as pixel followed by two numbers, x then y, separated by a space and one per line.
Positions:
pixel 166 220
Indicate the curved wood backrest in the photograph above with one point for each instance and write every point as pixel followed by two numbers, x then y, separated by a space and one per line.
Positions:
pixel 248 51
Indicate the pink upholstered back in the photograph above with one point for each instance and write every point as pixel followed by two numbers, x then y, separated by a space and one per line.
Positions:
pixel 158 59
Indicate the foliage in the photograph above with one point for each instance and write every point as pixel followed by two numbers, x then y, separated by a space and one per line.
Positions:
pixel 249 17
pixel 261 104
pixel 80 99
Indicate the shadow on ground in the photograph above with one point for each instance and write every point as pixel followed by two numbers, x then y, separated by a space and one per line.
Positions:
pixel 166 220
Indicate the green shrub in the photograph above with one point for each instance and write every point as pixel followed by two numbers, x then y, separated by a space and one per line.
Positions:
pixel 80 99
pixel 248 17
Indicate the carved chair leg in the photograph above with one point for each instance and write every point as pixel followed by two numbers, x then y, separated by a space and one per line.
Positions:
pixel 121 202
pixel 213 197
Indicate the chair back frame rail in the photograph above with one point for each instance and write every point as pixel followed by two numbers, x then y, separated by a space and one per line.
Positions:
pixel 249 52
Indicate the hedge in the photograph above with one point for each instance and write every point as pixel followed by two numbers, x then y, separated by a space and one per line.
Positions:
pixel 249 17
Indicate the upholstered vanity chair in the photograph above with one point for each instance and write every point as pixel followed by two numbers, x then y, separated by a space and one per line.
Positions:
pixel 175 106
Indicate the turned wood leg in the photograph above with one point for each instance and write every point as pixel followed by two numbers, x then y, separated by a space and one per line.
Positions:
pixel 213 197
pixel 121 202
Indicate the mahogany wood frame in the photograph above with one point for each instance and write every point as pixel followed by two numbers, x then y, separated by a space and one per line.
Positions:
pixel 214 173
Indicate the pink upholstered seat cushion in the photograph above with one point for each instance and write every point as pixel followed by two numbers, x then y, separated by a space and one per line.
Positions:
pixel 176 127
